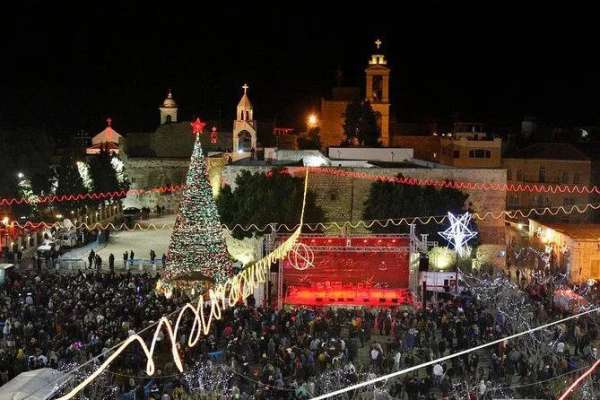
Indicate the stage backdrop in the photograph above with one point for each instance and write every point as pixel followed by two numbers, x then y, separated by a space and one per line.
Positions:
pixel 357 270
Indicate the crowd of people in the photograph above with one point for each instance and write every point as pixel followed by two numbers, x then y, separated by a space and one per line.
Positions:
pixel 60 321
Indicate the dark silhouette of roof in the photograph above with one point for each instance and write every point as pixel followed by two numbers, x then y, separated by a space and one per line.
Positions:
pixel 550 151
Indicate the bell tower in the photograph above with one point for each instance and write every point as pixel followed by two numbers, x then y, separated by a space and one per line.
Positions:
pixel 244 126
pixel 378 91
pixel 168 110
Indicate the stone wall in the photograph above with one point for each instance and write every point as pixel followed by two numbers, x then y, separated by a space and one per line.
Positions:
pixel 561 172
pixel 146 173
pixel 343 198
pixel 332 122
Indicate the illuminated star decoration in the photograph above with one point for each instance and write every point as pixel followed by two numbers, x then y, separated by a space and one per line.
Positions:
pixel 197 126
pixel 459 233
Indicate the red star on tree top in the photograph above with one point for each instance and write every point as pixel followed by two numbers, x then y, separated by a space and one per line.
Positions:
pixel 197 126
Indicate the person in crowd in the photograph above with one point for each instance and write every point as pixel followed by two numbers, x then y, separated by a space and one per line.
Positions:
pixel 111 263
pixel 91 258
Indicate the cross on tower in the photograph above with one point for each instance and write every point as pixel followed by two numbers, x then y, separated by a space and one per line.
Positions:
pixel 378 43
pixel 245 87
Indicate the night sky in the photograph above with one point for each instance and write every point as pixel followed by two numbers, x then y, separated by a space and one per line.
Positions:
pixel 68 67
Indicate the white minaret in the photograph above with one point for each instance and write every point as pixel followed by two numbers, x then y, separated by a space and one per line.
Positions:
pixel 168 110
pixel 244 126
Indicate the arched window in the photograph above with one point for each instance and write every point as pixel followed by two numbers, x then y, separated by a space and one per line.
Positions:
pixel 168 119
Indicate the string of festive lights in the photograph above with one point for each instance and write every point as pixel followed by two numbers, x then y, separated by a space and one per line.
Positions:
pixel 458 354
pixel 577 381
pixel 450 184
pixel 220 297
pixel 54 198
pixel 324 226
pixel 512 387
pixel 460 185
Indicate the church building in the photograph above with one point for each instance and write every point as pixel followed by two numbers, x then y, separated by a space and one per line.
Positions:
pixel 161 158
pixel 377 92
pixel 108 139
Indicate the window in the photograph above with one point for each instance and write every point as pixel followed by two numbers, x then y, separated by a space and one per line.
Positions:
pixel 565 177
pixel 479 153
pixel 513 200
pixel 542 174
pixel 519 175
pixel 456 154
pixel 508 174
pixel 575 178
pixel 568 201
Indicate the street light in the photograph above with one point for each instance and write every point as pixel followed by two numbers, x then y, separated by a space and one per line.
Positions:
pixel 20 175
pixel 312 120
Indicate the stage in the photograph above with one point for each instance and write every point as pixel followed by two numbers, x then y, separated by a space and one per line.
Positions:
pixel 364 270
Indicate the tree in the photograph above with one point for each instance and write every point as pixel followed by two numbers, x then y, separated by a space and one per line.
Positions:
pixel 360 124
pixel 103 174
pixel 311 141
pixel 197 243
pixel 262 199
pixel 393 200
pixel 69 181
pixel 25 151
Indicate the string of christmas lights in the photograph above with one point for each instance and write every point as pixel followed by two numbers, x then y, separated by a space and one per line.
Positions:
pixel 54 198
pixel 451 184
pixel 577 381
pixel 320 226
pixel 460 185
pixel 220 297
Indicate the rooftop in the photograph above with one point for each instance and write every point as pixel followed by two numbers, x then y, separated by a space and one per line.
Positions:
pixel 550 151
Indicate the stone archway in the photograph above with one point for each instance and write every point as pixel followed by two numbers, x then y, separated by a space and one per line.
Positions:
pixel 244 141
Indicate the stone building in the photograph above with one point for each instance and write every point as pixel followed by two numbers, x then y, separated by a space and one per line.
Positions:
pixel 469 146
pixel 549 164
pixel 377 92
pixel 574 248
pixel 108 139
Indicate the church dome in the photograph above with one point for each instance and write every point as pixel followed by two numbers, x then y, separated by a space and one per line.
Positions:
pixel 169 102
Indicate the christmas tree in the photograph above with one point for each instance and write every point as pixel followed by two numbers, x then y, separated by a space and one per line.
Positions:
pixel 197 252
